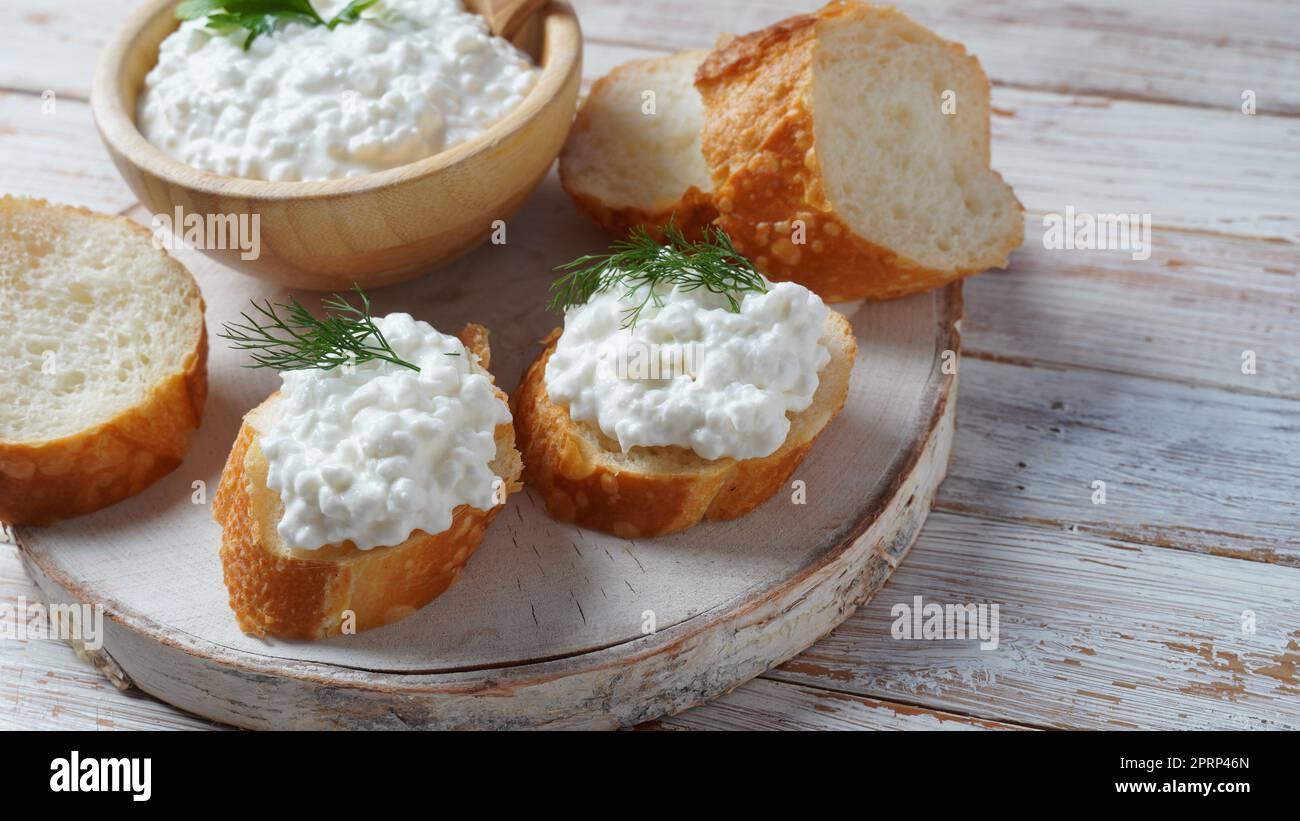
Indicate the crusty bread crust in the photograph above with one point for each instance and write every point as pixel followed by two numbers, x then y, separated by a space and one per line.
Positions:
pixel 575 468
pixel 42 482
pixel 759 143
pixel 306 594
pixel 691 213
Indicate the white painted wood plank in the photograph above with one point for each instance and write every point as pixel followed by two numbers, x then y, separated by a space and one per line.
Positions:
pixel 599 59
pixel 1087 625
pixel 773 705
pixel 53 45
pixel 1202 52
pixel 1189 313
pixel 1188 168
pixel 57 155
pixel 1187 467
pixel 1094 633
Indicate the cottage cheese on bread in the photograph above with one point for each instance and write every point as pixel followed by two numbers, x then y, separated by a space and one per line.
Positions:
pixel 691 372
pixel 372 453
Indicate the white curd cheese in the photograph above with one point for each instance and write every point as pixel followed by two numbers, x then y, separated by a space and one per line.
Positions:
pixel 409 80
pixel 691 372
pixel 374 452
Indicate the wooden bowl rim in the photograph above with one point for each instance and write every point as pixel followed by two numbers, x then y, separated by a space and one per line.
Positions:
pixel 561 57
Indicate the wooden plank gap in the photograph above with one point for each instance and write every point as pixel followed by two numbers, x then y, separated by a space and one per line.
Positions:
pixel 1035 362
pixel 902 705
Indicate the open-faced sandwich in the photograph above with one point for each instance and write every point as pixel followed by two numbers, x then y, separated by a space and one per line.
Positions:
pixel 847 150
pixel 683 386
pixel 356 493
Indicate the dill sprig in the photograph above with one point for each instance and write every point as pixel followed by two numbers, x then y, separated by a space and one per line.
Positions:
pixel 641 262
pixel 258 17
pixel 290 338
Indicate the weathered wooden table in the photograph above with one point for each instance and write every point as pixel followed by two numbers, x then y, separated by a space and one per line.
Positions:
pixel 1176 603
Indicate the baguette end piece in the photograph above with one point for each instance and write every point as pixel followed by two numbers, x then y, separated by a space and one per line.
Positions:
pixel 633 156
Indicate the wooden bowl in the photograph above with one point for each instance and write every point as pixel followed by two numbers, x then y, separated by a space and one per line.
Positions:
pixel 372 230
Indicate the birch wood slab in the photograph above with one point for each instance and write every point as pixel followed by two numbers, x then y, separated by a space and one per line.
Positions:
pixel 546 627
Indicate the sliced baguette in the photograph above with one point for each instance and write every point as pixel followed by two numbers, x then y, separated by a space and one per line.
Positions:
pixel 105 361
pixel 837 119
pixel 306 594
pixel 584 477
pixel 626 167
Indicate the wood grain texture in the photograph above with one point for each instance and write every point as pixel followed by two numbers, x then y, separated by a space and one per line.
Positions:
pixel 54 153
pixel 53 46
pixel 1187 314
pixel 1095 633
pixel 772 705
pixel 506 18
pixel 1185 467
pixel 44 685
pixel 1198 52
pixel 1191 169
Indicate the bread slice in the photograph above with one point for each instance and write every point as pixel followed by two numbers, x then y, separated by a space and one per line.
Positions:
pixel 105 360
pixel 837 119
pixel 627 167
pixel 305 594
pixel 584 476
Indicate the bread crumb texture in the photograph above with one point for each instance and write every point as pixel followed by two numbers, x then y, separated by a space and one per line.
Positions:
pixel 106 351
pixel 633 155
pixel 849 152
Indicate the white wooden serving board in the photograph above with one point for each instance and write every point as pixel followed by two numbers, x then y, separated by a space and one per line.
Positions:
pixel 545 627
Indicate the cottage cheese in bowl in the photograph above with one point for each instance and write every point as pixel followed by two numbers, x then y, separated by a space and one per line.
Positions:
pixel 411 79
pixel 720 382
